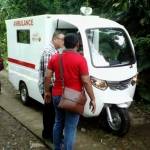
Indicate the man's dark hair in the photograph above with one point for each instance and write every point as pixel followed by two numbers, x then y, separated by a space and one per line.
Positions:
pixel 71 40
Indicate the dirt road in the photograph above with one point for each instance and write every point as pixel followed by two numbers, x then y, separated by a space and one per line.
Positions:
pixel 90 136
pixel 14 136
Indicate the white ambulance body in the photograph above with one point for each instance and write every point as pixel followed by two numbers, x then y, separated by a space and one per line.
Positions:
pixel 27 37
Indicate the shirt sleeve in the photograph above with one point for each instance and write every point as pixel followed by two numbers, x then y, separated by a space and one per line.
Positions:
pixel 50 64
pixel 41 74
pixel 83 66
pixel 47 57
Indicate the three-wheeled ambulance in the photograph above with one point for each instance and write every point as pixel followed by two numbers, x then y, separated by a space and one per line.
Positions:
pixel 107 48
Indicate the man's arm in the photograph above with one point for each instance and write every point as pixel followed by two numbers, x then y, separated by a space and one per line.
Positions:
pixel 88 86
pixel 42 69
pixel 47 81
pixel 41 75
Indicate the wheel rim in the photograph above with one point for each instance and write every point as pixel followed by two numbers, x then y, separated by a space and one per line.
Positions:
pixel 23 94
pixel 116 120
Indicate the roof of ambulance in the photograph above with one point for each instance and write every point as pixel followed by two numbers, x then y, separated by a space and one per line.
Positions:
pixel 86 21
pixel 79 20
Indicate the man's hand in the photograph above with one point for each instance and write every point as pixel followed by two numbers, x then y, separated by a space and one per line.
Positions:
pixel 47 97
pixel 47 81
pixel 92 105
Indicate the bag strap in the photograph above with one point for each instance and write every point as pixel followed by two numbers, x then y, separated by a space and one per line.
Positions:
pixel 61 71
pixel 61 68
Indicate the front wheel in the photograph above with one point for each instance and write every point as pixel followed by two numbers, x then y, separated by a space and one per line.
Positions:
pixel 120 123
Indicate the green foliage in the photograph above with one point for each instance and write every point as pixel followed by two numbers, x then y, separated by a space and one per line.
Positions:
pixel 136 17
pixel 144 85
pixel 142 47
pixel 66 6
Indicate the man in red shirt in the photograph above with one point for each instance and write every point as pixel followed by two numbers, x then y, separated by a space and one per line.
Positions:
pixel 75 76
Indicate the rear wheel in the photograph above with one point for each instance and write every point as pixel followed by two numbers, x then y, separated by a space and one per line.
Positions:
pixel 24 93
pixel 120 120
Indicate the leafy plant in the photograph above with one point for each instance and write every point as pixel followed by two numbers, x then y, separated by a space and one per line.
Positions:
pixel 142 47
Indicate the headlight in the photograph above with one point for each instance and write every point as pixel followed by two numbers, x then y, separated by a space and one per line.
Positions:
pixel 100 84
pixel 134 80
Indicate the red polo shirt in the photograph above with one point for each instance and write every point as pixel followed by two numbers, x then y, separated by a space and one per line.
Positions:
pixel 74 66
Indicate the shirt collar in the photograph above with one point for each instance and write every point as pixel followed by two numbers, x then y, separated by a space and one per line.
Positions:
pixel 52 45
pixel 69 50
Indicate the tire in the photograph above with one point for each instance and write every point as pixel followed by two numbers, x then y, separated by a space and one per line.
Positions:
pixel 24 93
pixel 121 121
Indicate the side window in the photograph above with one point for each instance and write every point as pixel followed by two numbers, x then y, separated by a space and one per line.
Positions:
pixel 23 36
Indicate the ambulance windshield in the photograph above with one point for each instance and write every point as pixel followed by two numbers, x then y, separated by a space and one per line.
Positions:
pixel 109 47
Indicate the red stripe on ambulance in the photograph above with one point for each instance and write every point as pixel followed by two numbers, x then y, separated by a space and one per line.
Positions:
pixel 22 63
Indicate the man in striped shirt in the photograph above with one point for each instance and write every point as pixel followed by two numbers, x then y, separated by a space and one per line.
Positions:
pixel 48 109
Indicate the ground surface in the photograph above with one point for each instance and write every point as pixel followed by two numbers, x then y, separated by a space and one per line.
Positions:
pixel 14 136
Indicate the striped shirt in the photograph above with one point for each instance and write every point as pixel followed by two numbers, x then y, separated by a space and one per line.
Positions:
pixel 47 54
